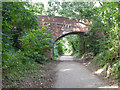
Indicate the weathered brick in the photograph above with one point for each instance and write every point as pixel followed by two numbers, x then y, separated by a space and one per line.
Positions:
pixel 60 24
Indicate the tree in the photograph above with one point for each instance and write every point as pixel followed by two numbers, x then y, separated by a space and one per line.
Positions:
pixel 18 17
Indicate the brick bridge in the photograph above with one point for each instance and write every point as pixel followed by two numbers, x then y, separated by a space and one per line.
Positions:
pixel 62 26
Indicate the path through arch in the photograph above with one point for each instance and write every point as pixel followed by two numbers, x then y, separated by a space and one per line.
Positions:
pixel 71 74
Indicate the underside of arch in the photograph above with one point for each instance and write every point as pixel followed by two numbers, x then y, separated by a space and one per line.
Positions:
pixel 70 33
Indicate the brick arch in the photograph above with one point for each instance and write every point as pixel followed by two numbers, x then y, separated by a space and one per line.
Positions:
pixel 62 26
pixel 70 33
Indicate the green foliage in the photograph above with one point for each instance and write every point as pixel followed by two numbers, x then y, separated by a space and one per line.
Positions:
pixel 19 23
pixel 16 65
pixel 17 17
pixel 58 48
pixel 70 9
pixel 107 31
pixel 71 44
pixel 37 42
pixel 77 43
pixel 99 58
pixel 115 66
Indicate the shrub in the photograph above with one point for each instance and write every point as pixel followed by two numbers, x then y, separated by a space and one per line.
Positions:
pixel 36 43
pixel 58 49
pixel 115 66
pixel 100 58
pixel 16 64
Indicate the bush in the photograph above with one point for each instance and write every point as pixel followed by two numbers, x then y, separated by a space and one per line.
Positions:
pixel 58 49
pixel 36 43
pixel 109 58
pixel 99 58
pixel 115 71
pixel 16 64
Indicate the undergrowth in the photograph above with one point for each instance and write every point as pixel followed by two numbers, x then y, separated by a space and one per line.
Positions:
pixel 17 65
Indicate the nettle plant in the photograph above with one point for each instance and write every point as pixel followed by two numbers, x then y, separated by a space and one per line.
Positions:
pixel 37 42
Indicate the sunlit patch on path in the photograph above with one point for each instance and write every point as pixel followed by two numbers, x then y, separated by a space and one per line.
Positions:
pixel 66 58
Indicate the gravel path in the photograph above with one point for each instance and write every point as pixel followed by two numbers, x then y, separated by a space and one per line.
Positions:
pixel 71 74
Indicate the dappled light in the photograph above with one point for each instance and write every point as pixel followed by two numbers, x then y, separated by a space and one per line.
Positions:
pixel 72 42
pixel 114 86
pixel 99 71
pixel 63 70
pixel 86 64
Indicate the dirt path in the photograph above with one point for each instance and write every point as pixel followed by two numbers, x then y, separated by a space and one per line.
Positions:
pixel 71 74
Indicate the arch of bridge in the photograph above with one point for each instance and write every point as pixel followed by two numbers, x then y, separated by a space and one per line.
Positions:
pixel 62 26
pixel 69 33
